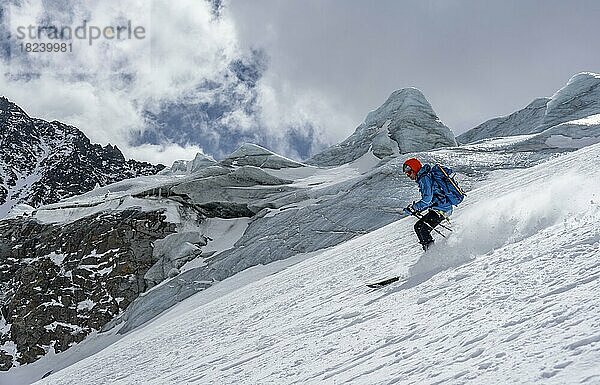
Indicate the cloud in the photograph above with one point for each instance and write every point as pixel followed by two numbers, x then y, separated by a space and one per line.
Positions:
pixel 285 104
pixel 187 85
pixel 166 153
pixel 105 88
pixel 473 60
pixel 294 76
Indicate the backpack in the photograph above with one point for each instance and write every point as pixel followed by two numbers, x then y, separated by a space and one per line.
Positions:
pixel 441 176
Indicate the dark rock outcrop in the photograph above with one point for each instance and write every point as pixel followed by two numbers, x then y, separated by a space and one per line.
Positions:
pixel 59 282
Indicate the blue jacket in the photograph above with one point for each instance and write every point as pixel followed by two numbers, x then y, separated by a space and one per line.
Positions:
pixel 432 196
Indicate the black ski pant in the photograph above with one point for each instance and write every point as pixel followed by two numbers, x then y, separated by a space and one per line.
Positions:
pixel 425 225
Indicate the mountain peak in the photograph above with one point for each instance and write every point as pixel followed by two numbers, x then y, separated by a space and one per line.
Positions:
pixel 579 98
pixel 6 106
pixel 250 154
pixel 579 83
pixel 405 123
pixel 42 162
pixel 403 101
pixel 407 95
pixel 247 149
pixel 113 151
pixel 524 121
pixel 200 161
pixel 583 76
pixel 563 115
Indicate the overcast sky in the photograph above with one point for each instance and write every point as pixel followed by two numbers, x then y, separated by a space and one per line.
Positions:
pixel 328 63
pixel 473 59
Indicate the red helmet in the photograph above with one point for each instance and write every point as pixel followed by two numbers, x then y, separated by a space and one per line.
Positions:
pixel 412 164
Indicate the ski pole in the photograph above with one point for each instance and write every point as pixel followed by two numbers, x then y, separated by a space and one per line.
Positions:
pixel 431 227
pixel 441 225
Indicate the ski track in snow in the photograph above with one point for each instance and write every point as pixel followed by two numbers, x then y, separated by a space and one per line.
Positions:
pixel 516 307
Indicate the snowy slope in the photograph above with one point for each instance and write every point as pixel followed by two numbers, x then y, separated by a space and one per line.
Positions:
pixel 213 242
pixel 513 301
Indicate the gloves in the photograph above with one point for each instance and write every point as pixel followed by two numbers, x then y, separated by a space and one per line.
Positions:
pixel 408 210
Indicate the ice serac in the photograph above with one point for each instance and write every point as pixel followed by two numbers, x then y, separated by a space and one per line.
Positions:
pixel 525 121
pixel 187 167
pixel 580 98
pixel 570 119
pixel 250 154
pixel 405 123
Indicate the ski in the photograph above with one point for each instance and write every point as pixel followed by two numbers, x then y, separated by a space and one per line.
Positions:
pixel 385 282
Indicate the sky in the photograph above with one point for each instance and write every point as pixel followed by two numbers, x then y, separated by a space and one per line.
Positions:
pixel 319 67
pixel 473 60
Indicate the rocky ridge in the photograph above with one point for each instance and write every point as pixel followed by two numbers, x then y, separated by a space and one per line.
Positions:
pixel 43 162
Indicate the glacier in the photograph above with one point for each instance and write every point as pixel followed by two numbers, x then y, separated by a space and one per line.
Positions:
pixel 506 299
pixel 238 232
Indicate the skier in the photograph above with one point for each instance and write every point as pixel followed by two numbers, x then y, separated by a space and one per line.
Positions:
pixel 433 198
pixel 439 192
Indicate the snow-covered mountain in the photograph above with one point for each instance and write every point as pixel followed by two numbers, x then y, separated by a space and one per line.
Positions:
pixel 125 262
pixel 572 118
pixel 405 123
pixel 187 167
pixel 201 226
pixel 522 122
pixel 42 162
pixel 135 248
pixel 253 155
pixel 508 298
pixel 578 99
pixel 569 119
